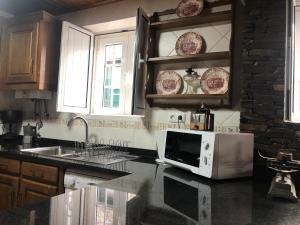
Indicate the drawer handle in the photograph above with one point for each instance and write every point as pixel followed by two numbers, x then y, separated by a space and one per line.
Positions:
pixel 3 167
pixel 12 198
pixel 37 175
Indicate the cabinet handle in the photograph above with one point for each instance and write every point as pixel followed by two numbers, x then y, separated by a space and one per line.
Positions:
pixel 13 198
pixel 3 167
pixel 19 199
pixel 36 175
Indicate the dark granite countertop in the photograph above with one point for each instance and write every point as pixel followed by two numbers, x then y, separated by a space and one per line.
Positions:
pixel 156 194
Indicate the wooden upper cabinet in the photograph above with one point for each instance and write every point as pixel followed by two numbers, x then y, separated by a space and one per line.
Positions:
pixel 22 53
pixel 30 56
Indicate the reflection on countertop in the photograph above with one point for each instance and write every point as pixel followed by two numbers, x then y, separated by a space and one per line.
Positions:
pixel 159 195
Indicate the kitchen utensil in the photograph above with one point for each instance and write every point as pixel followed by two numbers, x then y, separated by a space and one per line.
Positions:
pixel 215 81
pixel 11 116
pixel 30 133
pixel 29 130
pixel 193 81
pixel 202 119
pixel 282 185
pixel 189 43
pixel 187 8
pixel 14 119
pixel 168 82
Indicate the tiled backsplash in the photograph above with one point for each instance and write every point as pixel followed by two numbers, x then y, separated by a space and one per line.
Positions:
pixel 138 132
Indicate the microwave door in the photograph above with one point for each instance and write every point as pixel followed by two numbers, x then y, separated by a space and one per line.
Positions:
pixel 183 148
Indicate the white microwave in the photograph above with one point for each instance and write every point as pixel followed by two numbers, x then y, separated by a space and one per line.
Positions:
pixel 209 154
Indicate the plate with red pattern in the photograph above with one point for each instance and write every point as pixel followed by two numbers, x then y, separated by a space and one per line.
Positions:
pixel 168 82
pixel 189 43
pixel 215 81
pixel 187 8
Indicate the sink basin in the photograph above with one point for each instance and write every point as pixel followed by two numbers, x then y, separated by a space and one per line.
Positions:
pixel 69 153
pixel 51 151
pixel 100 158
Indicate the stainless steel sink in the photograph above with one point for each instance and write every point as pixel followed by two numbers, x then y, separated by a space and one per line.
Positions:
pixel 51 151
pixel 101 159
pixel 85 156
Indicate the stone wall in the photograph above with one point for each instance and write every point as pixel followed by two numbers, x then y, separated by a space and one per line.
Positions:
pixel 262 99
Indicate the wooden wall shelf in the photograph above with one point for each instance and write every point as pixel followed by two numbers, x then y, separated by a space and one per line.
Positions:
pixel 155 25
pixel 186 96
pixel 192 21
pixel 212 56
pixel 188 100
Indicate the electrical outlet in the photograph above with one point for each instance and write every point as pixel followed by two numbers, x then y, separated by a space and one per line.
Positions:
pixel 173 117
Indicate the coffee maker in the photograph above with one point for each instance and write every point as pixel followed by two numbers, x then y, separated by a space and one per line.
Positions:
pixel 12 122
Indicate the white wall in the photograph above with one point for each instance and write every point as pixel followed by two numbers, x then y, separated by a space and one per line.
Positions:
pixel 139 132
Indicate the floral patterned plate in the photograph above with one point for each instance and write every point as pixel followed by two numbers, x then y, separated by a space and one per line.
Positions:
pixel 189 43
pixel 215 81
pixel 168 82
pixel 187 8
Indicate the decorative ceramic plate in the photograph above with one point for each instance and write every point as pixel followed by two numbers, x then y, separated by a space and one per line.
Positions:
pixel 189 43
pixel 168 82
pixel 215 81
pixel 187 8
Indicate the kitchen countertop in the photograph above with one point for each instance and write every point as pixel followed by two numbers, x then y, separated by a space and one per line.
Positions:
pixel 157 194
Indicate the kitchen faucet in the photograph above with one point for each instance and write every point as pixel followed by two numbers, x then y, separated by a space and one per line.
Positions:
pixel 86 126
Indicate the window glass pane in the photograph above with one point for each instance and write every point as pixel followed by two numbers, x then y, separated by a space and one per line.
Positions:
pixel 116 80
pixel 108 76
pixel 118 61
pixel 116 101
pixel 107 97
pixel 118 51
pixel 112 76
pixel 109 53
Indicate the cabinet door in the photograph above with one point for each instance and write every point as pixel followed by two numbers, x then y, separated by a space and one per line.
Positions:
pixel 140 64
pixel 8 191
pixel 75 72
pixel 31 192
pixel 22 46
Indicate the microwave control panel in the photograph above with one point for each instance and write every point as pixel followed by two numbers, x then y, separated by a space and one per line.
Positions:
pixel 207 153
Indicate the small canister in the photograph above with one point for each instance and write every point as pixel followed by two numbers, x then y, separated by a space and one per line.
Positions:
pixel 29 133
pixel 202 119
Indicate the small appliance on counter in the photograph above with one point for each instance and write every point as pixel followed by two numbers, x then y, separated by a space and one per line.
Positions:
pixel 29 135
pixel 202 119
pixel 282 185
pixel 209 154
pixel 12 122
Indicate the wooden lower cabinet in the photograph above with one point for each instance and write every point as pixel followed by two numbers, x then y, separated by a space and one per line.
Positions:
pixel 23 183
pixel 32 192
pixel 9 186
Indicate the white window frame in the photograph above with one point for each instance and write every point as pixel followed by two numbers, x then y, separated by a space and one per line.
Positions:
pixel 127 40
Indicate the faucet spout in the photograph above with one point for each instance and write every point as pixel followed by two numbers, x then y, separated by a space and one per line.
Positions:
pixel 70 122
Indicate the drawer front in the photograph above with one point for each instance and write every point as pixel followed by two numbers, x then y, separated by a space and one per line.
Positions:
pixel 38 172
pixel 9 166
pixel 32 192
